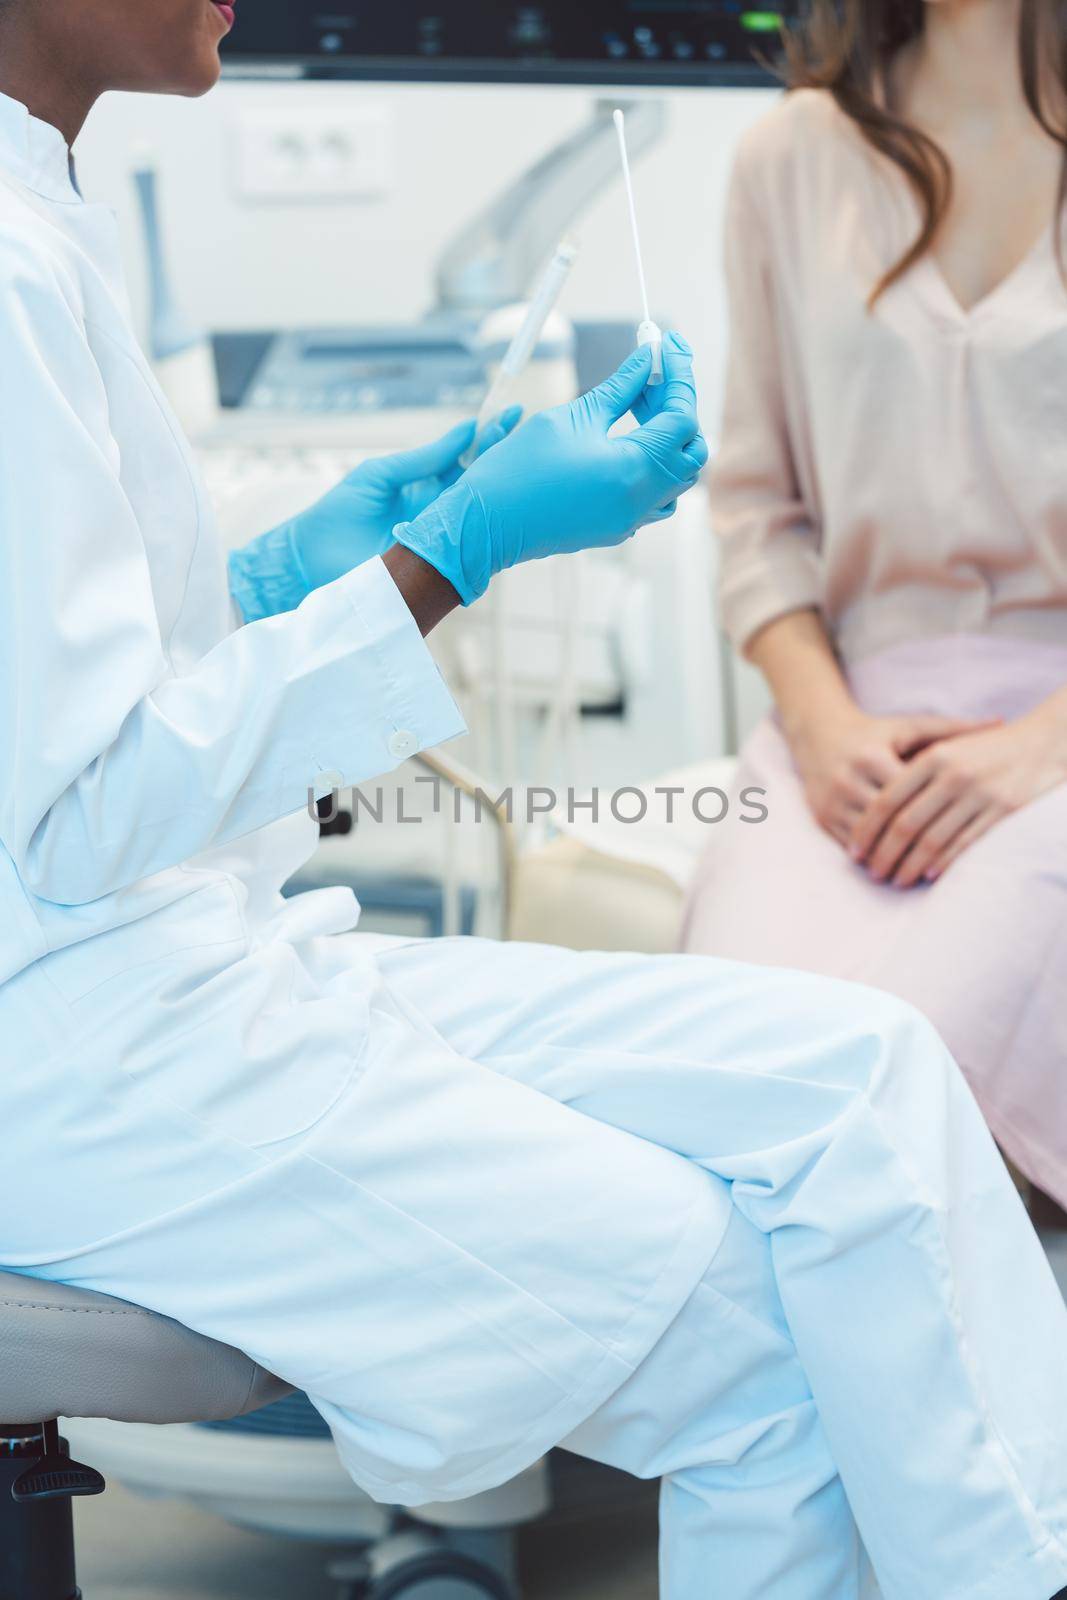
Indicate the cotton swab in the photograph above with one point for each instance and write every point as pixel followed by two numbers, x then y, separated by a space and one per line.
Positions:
pixel 649 332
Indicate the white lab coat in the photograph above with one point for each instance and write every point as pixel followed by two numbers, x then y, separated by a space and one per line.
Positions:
pixel 740 1228
pixel 164 1013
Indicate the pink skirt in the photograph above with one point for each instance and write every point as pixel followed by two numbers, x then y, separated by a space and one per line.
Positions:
pixel 983 951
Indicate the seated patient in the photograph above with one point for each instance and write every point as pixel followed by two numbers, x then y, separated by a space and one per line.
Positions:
pixel 892 499
pixel 742 1230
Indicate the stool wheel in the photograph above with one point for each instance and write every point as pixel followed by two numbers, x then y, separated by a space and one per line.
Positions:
pixel 440 1575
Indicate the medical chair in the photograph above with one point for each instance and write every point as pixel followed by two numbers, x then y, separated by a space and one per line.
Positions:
pixel 68 1353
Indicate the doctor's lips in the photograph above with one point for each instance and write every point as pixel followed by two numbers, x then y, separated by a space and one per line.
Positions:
pixel 225 8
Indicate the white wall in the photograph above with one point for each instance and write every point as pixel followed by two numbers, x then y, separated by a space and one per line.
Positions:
pixel 240 265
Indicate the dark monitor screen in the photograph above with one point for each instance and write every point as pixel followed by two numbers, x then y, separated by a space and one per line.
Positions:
pixel 593 42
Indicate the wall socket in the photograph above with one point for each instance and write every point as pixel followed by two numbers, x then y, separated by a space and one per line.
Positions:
pixel 313 154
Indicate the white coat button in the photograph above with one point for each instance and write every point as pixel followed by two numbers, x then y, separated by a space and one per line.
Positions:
pixel 402 744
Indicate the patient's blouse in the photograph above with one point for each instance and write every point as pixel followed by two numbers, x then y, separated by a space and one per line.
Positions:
pixel 901 468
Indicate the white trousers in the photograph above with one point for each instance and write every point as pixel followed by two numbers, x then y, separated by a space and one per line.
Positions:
pixel 873 1371
pixel 454 1256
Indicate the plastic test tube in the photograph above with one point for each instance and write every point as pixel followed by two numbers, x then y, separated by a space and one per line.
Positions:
pixel 522 347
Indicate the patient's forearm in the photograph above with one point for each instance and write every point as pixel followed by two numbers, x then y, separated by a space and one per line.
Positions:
pixel 796 657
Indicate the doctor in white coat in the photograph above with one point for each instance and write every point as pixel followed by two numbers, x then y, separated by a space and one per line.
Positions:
pixel 742 1230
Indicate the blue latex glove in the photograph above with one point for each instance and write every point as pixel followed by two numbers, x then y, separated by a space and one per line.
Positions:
pixel 562 483
pixel 352 523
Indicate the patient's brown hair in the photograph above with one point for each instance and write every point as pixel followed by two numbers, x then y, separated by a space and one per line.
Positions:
pixel 845 47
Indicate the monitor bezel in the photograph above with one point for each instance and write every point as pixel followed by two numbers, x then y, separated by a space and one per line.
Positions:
pixel 256 67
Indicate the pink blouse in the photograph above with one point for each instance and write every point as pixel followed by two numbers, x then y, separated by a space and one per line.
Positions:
pixel 902 469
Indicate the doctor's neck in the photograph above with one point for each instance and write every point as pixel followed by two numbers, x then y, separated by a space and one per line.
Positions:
pixel 59 56
pixel 48 91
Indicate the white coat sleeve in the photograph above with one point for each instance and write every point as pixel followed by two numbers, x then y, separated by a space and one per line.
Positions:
pixel 111 766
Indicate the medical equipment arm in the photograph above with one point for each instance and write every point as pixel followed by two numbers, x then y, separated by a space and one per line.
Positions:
pixel 117 763
pixel 495 259
pixel 564 482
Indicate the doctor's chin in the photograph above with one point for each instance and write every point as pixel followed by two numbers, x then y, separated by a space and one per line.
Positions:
pixel 533 800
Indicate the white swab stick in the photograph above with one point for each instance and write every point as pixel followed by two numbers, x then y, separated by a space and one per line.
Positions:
pixel 627 178
pixel 649 332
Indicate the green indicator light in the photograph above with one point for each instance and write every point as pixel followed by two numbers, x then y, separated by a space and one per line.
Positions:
pixel 761 21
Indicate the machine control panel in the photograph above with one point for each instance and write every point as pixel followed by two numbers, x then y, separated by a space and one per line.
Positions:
pixel 641 41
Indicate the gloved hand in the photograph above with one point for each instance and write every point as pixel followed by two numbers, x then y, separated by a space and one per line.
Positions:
pixel 563 483
pixel 352 523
